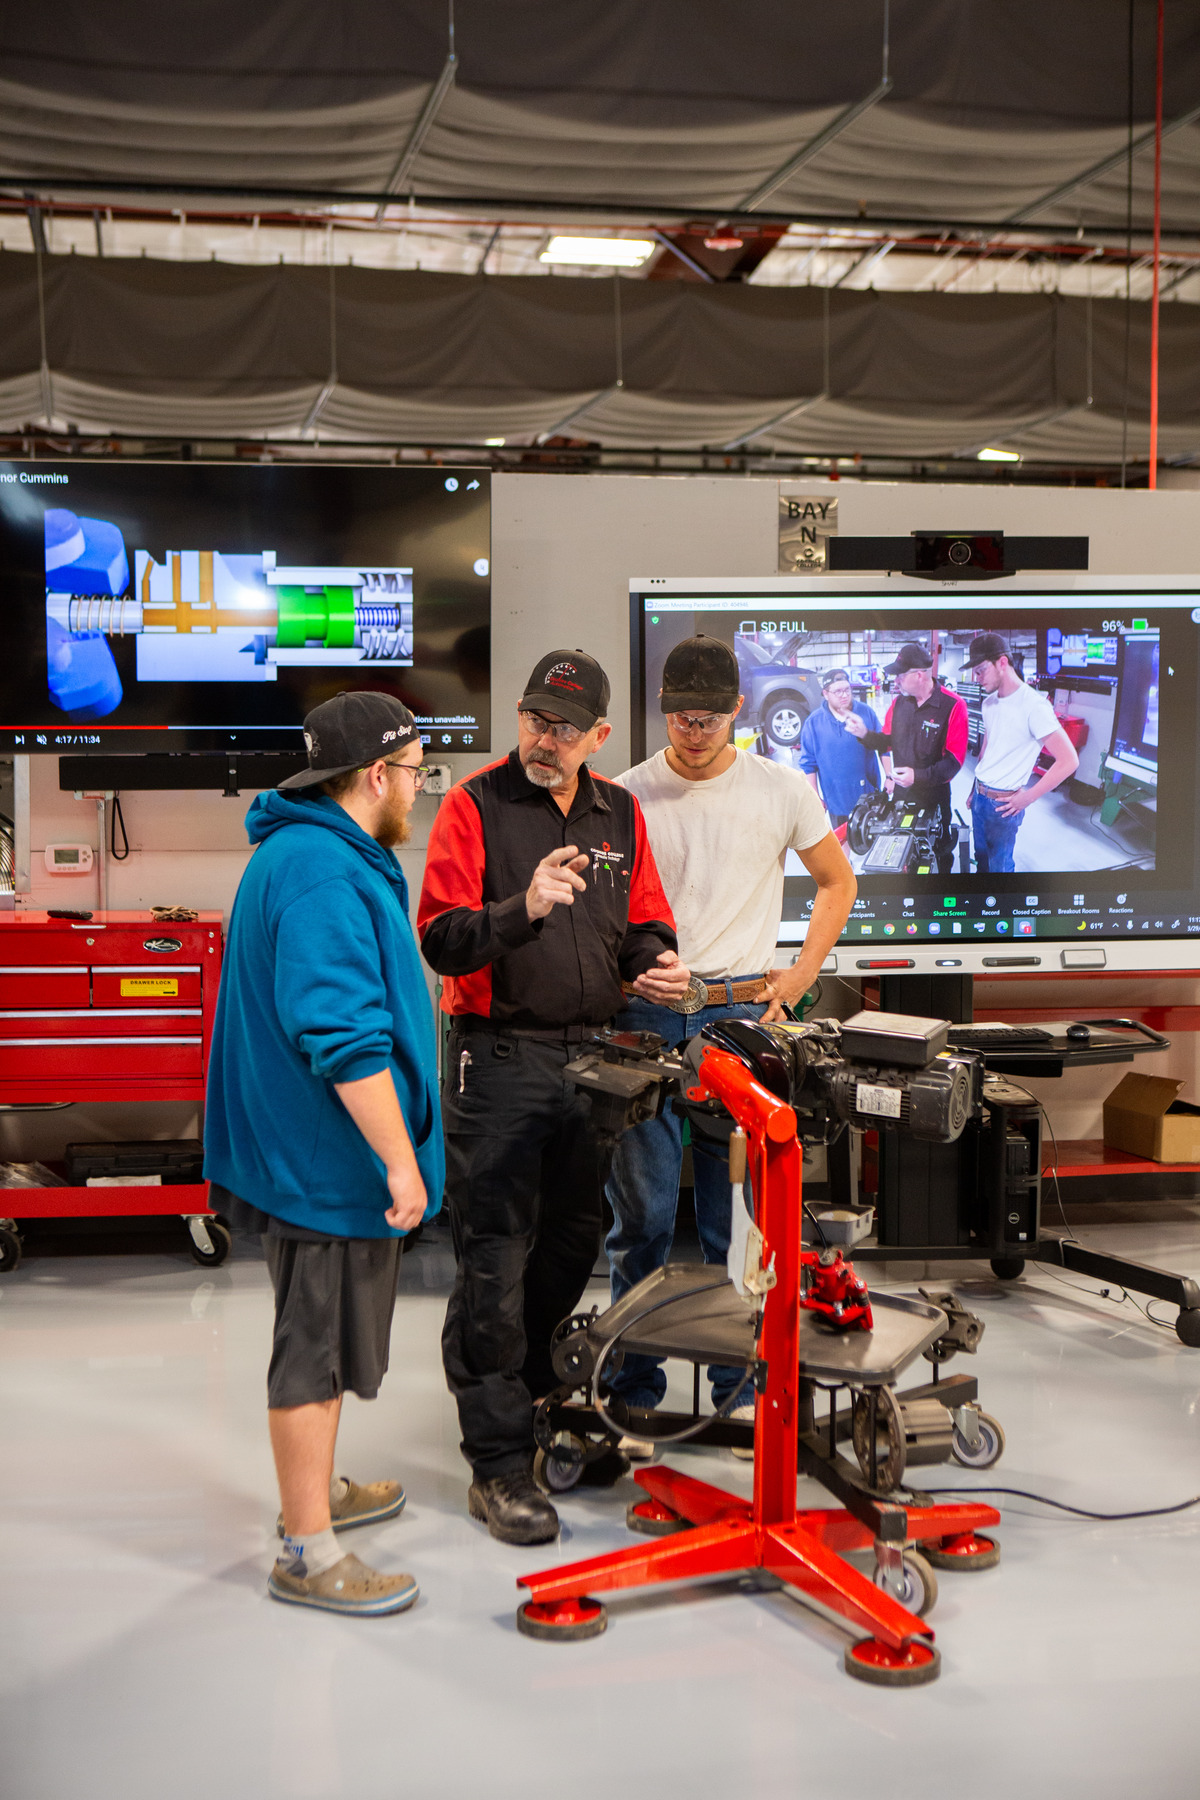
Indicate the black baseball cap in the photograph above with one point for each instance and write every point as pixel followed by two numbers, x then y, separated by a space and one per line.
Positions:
pixel 832 675
pixel 572 684
pixel 911 656
pixel 351 731
pixel 701 672
pixel 987 647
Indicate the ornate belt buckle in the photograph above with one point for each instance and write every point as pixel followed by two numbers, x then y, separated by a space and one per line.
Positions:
pixel 694 997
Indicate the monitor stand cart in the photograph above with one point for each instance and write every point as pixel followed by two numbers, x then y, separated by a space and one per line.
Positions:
pixel 980 1199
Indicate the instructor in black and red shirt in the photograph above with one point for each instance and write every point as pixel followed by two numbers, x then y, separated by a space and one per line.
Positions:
pixel 925 739
pixel 540 899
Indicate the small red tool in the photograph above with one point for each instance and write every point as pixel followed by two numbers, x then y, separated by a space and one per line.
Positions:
pixel 834 1291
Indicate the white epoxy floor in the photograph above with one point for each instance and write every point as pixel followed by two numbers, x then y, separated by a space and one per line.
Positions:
pixel 140 1656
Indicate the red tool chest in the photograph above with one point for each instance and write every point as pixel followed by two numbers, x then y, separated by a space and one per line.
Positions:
pixel 116 1007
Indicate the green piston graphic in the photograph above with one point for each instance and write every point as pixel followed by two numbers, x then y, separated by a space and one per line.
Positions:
pixel 326 615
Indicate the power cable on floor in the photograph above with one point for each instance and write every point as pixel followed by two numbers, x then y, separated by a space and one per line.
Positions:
pixel 1081 1512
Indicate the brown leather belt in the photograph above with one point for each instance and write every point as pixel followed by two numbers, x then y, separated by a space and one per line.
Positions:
pixel 996 793
pixel 699 994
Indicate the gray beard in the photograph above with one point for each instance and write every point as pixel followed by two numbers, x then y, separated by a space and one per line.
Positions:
pixel 543 776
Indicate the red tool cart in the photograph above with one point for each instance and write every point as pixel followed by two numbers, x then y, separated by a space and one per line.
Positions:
pixel 116 1007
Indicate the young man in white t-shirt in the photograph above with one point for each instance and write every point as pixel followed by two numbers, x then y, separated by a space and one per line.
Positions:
pixel 1018 724
pixel 720 822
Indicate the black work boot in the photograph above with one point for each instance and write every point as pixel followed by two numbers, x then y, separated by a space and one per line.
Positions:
pixel 513 1508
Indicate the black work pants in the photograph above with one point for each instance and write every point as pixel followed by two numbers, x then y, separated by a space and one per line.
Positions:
pixel 523 1191
pixel 946 841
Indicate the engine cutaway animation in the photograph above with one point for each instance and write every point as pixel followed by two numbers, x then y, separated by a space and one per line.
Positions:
pixel 206 615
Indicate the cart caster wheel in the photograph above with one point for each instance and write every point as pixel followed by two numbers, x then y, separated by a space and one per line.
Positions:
pixel 918 1662
pixel 562 1621
pixel 218 1244
pixel 10 1249
pixel 984 1454
pixel 653 1519
pixel 1187 1325
pixel 556 1471
pixel 920 1591
pixel 970 1551
pixel 1007 1268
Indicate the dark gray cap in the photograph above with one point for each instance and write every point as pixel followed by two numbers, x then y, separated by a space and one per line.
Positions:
pixel 702 672
pixel 989 646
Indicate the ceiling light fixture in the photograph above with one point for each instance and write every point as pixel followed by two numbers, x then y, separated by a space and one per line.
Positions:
pixel 612 253
pixel 990 455
pixel 493 441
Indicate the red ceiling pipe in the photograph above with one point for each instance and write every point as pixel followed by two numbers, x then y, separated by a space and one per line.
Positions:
pixel 1158 122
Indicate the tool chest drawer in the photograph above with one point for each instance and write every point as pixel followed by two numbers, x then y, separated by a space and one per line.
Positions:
pixel 118 1006
pixel 130 985
pixel 45 984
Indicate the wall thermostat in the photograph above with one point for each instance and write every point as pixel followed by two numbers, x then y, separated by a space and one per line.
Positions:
pixel 69 859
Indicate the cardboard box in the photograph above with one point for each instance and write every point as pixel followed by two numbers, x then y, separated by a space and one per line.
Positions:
pixel 1145 1116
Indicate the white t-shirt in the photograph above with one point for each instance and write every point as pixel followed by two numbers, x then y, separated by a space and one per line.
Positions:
pixel 1014 726
pixel 720 848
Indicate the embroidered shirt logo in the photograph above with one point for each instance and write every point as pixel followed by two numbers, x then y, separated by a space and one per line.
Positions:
pixel 606 862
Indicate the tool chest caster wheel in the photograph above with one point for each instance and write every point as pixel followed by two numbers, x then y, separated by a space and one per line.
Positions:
pixel 986 1452
pixel 920 1591
pixel 970 1551
pixel 555 1470
pixel 919 1662
pixel 1187 1327
pixel 210 1241
pixel 1007 1268
pixel 10 1247
pixel 565 1621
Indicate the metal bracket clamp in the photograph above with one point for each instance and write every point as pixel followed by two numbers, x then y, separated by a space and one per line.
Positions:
pixel 966 1422
pixel 198 1226
pixel 889 1558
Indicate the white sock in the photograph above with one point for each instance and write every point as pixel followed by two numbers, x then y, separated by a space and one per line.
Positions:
pixel 339 1487
pixel 311 1555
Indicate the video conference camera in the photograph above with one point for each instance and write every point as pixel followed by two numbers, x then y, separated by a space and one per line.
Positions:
pixel 876 1071
pixel 954 555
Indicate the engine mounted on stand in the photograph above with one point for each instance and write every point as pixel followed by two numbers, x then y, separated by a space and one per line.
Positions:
pixel 800 1322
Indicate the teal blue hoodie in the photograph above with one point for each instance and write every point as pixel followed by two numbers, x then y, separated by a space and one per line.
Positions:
pixel 321 983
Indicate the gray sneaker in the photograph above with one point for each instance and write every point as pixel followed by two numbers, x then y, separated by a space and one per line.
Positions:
pixel 361 1504
pixel 348 1587
pixel 744 1415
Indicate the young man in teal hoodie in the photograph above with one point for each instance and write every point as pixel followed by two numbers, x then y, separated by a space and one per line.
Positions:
pixel 323 1126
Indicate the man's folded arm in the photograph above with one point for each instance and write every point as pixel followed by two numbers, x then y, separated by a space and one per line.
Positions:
pixel 460 931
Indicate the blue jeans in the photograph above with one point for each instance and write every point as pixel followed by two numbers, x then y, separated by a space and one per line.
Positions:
pixel 995 836
pixel 643 1190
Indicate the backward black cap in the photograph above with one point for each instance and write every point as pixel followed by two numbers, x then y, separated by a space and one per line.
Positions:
pixel 351 731
pixel 701 672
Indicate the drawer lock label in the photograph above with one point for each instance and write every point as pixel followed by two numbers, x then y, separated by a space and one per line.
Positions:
pixel 160 987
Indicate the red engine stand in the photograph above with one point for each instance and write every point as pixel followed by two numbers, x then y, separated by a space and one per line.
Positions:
pixel 802 1548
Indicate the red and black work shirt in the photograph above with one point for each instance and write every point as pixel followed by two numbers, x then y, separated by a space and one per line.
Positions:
pixel 929 738
pixel 491 832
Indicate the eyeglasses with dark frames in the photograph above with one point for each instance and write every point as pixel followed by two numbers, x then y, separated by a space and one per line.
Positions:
pixel 537 726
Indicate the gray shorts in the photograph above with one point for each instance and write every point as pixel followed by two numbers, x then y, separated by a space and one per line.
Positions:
pixel 333 1317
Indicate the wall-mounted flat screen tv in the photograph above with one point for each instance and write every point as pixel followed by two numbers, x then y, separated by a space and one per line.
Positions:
pixel 971 859
pixel 198 607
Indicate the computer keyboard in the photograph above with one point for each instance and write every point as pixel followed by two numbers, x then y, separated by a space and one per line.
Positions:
pixel 997 1037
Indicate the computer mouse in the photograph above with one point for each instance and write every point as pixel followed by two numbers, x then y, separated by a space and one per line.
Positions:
pixel 1078 1034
